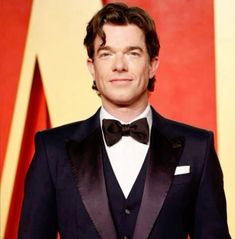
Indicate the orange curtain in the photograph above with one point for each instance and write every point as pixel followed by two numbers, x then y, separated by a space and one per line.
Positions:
pixel 14 19
pixel 37 119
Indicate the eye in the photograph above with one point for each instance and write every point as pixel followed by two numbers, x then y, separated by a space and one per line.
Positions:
pixel 134 53
pixel 104 54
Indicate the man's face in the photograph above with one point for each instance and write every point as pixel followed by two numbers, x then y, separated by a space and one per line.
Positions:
pixel 121 68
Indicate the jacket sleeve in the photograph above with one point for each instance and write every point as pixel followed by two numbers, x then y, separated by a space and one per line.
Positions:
pixel 210 212
pixel 38 218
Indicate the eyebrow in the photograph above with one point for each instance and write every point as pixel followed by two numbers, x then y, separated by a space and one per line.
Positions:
pixel 130 48
pixel 104 48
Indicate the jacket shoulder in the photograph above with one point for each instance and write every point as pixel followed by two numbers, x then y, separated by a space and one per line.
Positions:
pixel 172 128
pixel 72 131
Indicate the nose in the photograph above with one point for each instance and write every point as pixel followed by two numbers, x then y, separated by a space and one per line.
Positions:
pixel 120 63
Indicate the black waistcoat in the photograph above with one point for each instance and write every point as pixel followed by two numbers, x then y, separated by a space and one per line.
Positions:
pixel 124 211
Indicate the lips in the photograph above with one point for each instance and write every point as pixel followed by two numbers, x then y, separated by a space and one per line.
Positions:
pixel 117 80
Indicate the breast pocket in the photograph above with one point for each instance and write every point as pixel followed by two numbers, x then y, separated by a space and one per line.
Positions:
pixel 181 187
pixel 182 178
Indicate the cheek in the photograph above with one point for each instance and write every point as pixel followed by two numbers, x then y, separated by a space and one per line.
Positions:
pixel 102 69
pixel 146 74
pixel 142 70
pixel 100 76
pixel 97 72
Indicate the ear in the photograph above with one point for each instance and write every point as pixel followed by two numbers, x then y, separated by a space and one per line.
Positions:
pixel 90 66
pixel 153 67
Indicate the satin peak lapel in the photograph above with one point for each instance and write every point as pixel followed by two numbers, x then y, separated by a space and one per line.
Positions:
pixel 164 156
pixel 87 170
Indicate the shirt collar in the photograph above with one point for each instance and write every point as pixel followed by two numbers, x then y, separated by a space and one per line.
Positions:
pixel 147 113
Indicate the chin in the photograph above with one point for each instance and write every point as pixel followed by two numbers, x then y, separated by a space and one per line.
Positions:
pixel 125 102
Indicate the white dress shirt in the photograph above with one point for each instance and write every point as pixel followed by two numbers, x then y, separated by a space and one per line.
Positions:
pixel 127 155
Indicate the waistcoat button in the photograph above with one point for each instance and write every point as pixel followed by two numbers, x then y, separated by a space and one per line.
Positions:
pixel 127 211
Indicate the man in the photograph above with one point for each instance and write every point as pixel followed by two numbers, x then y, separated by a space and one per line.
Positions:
pixel 126 172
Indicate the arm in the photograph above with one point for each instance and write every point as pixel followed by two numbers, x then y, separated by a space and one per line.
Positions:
pixel 38 216
pixel 210 212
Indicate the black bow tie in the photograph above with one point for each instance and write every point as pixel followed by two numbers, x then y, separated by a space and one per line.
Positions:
pixel 114 130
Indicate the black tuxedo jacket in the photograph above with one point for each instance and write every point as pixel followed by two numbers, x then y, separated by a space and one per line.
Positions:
pixel 65 188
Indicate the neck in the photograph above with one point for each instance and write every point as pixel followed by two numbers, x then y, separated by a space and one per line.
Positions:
pixel 125 113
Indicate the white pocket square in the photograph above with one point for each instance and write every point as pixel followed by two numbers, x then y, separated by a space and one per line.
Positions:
pixel 182 170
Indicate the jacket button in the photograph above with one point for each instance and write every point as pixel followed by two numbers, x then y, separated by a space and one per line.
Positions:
pixel 127 211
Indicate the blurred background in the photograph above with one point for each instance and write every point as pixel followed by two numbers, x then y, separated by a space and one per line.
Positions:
pixel 44 81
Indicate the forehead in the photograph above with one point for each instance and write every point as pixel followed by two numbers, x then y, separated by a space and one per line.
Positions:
pixel 122 36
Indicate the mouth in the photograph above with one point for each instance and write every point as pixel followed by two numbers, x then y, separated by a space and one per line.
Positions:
pixel 120 80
